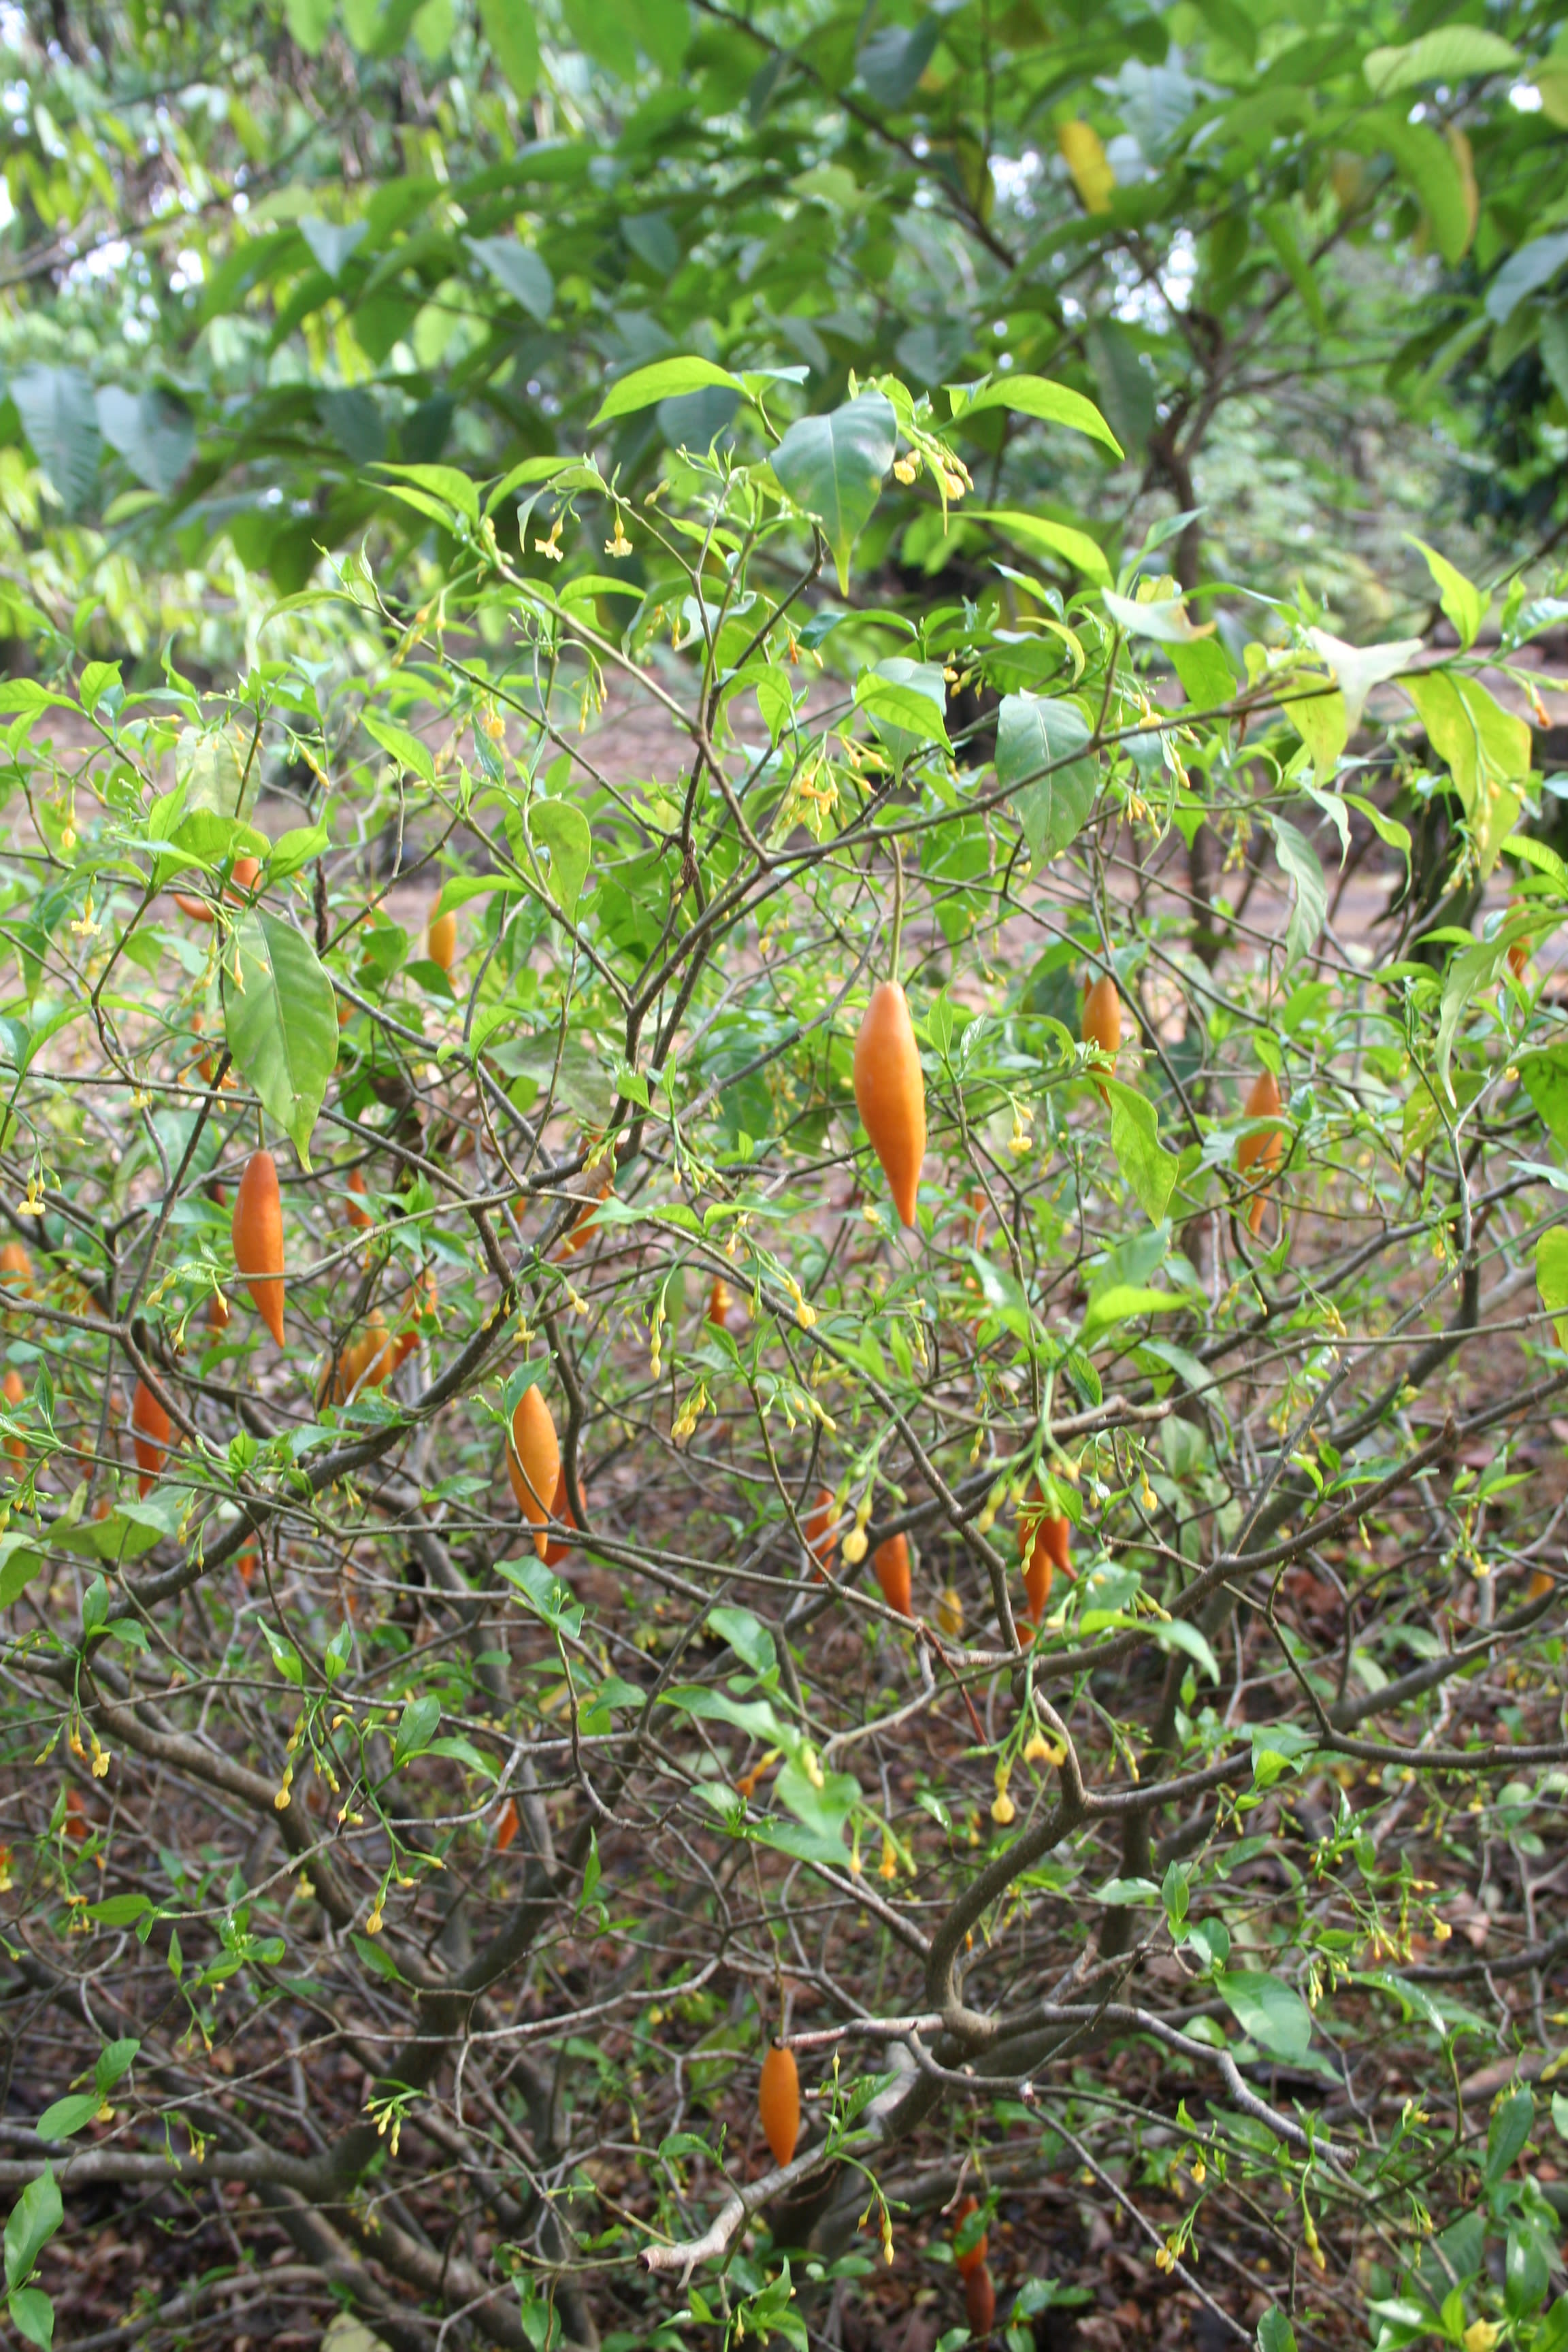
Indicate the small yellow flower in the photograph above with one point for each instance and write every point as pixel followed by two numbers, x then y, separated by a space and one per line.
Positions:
pixel 907 467
pixel 1481 2335
pixel 1200 2172
pixel 550 548
pixel 889 1866
pixel 857 1544
pixel 1039 1750
pixel 1003 1809
pixel 1441 1931
pixel 950 1611
pixel 620 544
pixel 372 1924
pixel 100 1759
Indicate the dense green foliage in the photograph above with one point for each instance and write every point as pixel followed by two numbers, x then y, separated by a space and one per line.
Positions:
pixel 548 554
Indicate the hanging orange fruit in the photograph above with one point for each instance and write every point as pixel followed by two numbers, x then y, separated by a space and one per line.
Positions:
pixel 560 1511
pixel 358 1216
pixel 441 940
pixel 257 1229
pixel 1265 1145
pixel 1045 1546
pixel 151 1430
pixel 15 1395
pixel 534 1462
pixel 892 1563
pixel 778 2102
pixel 890 1092
pixel 968 2257
pixel 1102 1021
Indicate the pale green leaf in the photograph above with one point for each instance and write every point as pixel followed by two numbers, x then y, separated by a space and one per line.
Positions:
pixel 280 1022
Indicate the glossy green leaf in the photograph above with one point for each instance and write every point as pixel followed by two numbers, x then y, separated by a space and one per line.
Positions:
pixel 281 1021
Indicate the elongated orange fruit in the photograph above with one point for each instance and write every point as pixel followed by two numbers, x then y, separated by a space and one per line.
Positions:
pixel 257 1229
pixel 586 1224
pixel 560 1511
pixel 151 1429
pixel 441 940
pixel 817 1529
pixel 1102 1020
pixel 891 1562
pixel 778 2102
pixel 1045 1544
pixel 15 1394
pixel 971 2258
pixel 508 1825
pixel 890 1093
pixel 980 2303
pixel 418 1315
pixel 246 870
pixel 1265 1145
pixel 16 1267
pixel 533 1463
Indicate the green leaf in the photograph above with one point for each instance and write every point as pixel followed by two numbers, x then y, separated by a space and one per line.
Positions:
pixel 1486 750
pixel 747 1636
pixel 1267 2009
pixel 19 1566
pixel 285 1656
pixel 664 380
pixel 1551 1277
pixel 1275 2332
pixel 1512 2120
pixel 1039 537
pixel 1135 1146
pixel 154 433
pixel 1310 907
pixel 1535 263
pixel 1167 621
pixel 415 1728
pixel 561 828
pixel 376 1958
pixel 35 2216
pixel 1448 53
pixel 519 271
pixel 906 702
pixel 894 59
pixel 32 2315
pixel 118 1910
pixel 281 1021
pixel 58 411
pixel 1321 720
pixel 513 37
pixel 310 22
pixel 1052 403
pixel 1204 666
pixel 1474 970
pixel 69 2114
pixel 1036 732
pixel 833 468
pixel 1124 1302
pixel 1177 1634
pixel 1426 162
pixel 1461 600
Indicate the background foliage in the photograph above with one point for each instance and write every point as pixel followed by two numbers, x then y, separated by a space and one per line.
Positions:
pixel 729 508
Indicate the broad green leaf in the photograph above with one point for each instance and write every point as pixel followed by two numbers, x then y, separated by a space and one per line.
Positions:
pixel 1318 713
pixel 1461 600
pixel 513 37
pixel 519 271
pixel 154 433
pixel 58 410
pixel 1166 621
pixel 1124 1302
pixel 833 468
pixel 415 1728
pixel 281 1021
pixel 747 1636
pixel 1309 905
pixel 1473 968
pixel 1512 2121
pixel 1535 263
pixel 1039 537
pixel 68 2116
pixel 1270 2011
pixel 1136 1147
pixel 310 22
pixel 1486 750
pixel 1551 1277
pixel 561 828
pixel 32 2315
pixel 333 244
pixel 1204 666
pixel 906 702
pixel 1275 2332
pixel 118 1910
pixel 35 2216
pixel 1052 403
pixel 1447 53
pixel 664 380
pixel 1035 734
pixel 1178 1634
pixel 1427 163
pixel 894 58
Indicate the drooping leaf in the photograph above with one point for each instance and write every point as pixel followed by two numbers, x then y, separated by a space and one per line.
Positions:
pixel 1309 905
pixel 513 35
pixel 1271 2011
pixel 155 434
pixel 1052 403
pixel 1138 1154
pixel 281 1021
pixel 58 410
pixel 519 271
pixel 563 829
pixel 894 58
pixel 833 468
pixel 664 380
pixel 1040 536
pixel 333 243
pixel 1447 53
pixel 1036 738
pixel 1551 1277
pixel 1461 600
